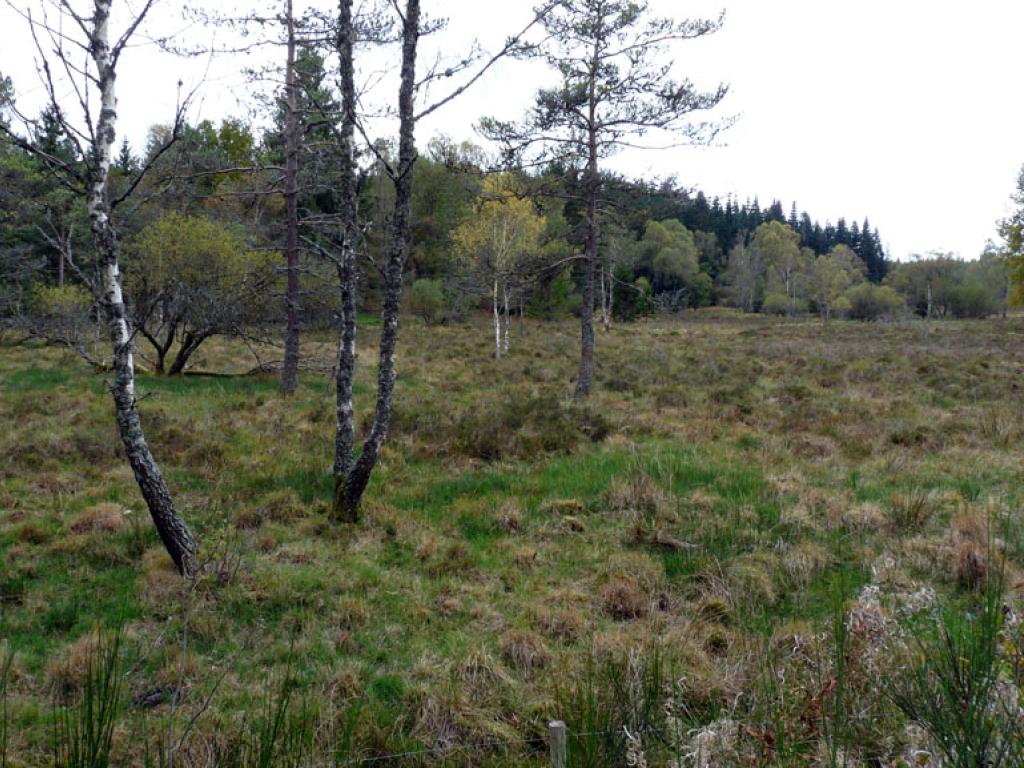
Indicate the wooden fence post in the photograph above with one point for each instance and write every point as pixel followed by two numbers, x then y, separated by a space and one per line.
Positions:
pixel 556 741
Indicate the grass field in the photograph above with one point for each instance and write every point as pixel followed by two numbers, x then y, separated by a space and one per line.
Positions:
pixel 721 550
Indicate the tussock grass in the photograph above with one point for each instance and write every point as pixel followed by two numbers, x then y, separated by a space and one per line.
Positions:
pixel 696 540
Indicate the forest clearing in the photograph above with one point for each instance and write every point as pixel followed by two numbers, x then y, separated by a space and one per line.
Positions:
pixel 674 555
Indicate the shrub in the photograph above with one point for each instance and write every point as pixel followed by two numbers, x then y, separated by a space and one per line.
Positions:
pixel 780 304
pixel 525 427
pixel 63 314
pixel 631 296
pixel 555 298
pixel 873 302
pixel 65 301
pixel 972 300
pixel 426 301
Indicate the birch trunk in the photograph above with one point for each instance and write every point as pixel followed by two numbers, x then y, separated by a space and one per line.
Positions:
pixel 173 531
pixel 504 293
pixel 611 286
pixel 358 478
pixel 604 301
pixel 497 323
pixel 344 439
pixel 290 371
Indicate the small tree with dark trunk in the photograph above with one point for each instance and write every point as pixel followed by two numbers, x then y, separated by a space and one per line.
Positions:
pixel 190 279
pixel 351 473
pixel 614 92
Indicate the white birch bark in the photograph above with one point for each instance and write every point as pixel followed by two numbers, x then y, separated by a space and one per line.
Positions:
pixel 504 293
pixel 497 323
pixel 173 532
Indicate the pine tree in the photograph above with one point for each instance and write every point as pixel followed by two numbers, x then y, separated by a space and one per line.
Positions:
pixel 842 233
pixel 51 137
pixel 612 91
pixel 126 162
pixel 806 229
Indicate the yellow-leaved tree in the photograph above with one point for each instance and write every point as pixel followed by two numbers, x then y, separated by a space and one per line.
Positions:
pixel 190 278
pixel 497 243
pixel 1012 231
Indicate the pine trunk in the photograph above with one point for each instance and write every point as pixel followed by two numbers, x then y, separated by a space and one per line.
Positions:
pixel 586 372
pixel 290 371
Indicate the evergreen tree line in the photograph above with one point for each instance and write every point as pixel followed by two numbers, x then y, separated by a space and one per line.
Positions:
pixel 733 222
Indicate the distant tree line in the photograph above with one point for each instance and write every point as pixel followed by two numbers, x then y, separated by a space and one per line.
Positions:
pixel 664 247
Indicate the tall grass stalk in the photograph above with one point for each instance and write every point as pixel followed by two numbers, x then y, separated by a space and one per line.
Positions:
pixel 5 676
pixel 959 686
pixel 83 735
pixel 610 696
pixel 836 708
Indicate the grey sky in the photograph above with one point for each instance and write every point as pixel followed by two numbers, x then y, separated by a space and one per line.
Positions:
pixel 906 111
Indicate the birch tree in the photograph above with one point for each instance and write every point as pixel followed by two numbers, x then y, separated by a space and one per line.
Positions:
pixel 830 276
pixel 351 473
pixel 88 33
pixel 744 275
pixel 777 246
pixel 505 231
pixel 1011 230
pixel 614 92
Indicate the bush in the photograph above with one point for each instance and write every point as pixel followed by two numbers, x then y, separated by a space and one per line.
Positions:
pixel 631 297
pixel 64 315
pixel 780 304
pixel 972 300
pixel 522 428
pixel 61 301
pixel 426 300
pixel 555 298
pixel 703 289
pixel 873 302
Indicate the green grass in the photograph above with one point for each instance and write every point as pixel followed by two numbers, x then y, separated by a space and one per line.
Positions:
pixel 35 380
pixel 742 485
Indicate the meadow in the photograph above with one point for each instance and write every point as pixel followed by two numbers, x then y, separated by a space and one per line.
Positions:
pixel 739 548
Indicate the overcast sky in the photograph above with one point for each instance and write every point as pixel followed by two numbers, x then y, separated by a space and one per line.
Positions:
pixel 905 111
